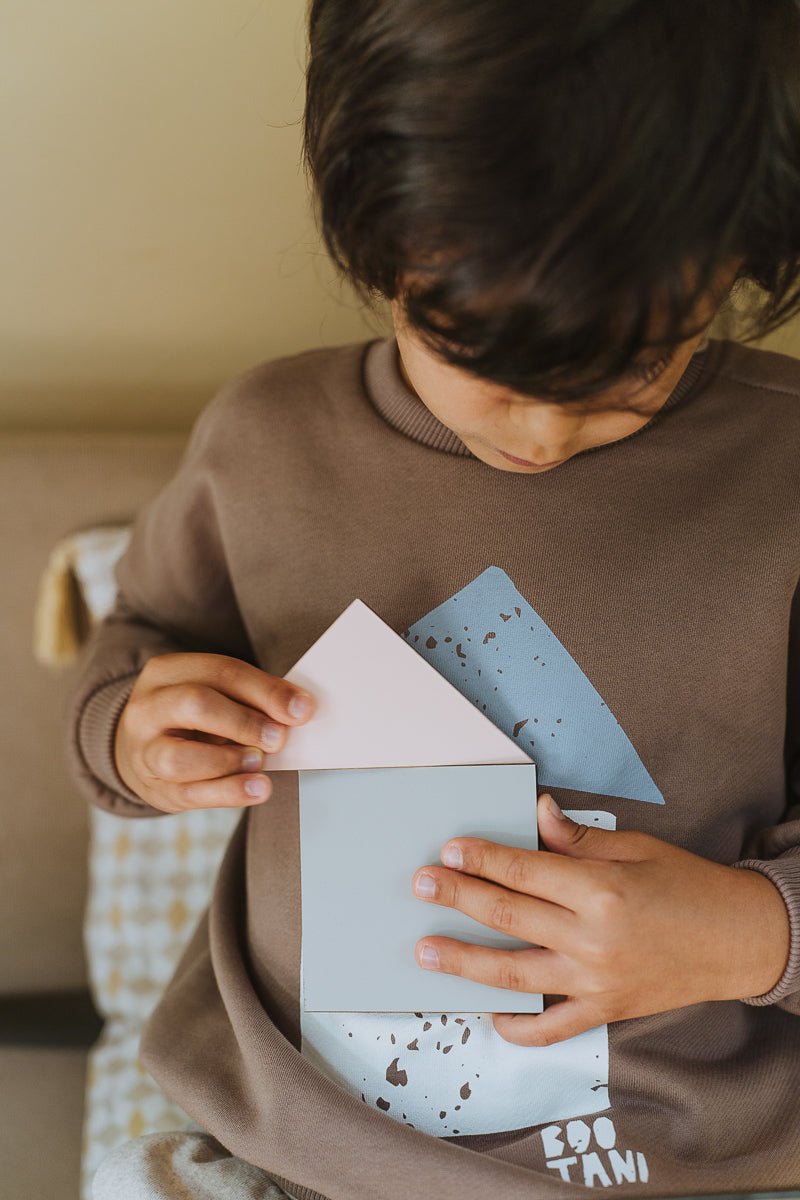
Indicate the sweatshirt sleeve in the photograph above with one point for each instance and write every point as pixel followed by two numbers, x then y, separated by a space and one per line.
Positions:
pixel 775 851
pixel 174 594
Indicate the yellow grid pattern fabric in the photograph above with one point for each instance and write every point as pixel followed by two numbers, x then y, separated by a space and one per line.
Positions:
pixel 149 883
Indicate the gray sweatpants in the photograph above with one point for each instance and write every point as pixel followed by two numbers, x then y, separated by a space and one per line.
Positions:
pixel 180 1166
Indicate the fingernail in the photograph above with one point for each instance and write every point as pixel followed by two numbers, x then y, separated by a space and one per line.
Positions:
pixel 270 736
pixel 428 958
pixel 452 857
pixel 257 788
pixel 553 807
pixel 252 760
pixel 425 886
pixel 300 706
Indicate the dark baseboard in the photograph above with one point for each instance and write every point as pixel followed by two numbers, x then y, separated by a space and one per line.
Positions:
pixel 52 1019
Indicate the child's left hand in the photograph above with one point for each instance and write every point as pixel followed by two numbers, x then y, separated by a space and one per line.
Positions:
pixel 624 925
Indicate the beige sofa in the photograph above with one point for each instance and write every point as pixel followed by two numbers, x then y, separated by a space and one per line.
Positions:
pixel 52 485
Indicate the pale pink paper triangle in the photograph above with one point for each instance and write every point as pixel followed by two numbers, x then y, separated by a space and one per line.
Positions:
pixel 379 704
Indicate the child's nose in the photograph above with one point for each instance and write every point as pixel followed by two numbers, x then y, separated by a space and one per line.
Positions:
pixel 552 430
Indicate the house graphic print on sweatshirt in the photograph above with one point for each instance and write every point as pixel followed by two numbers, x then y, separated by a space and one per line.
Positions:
pixel 452 1074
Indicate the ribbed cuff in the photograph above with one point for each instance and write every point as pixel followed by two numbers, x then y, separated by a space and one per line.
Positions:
pixel 97 730
pixel 784 873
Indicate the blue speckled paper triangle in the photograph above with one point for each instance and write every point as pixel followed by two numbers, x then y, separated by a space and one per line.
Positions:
pixel 490 644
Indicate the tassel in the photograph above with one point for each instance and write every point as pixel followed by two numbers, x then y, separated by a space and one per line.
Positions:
pixel 76 590
pixel 61 619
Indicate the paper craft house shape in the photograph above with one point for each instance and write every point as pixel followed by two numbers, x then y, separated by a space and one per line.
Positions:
pixel 417 719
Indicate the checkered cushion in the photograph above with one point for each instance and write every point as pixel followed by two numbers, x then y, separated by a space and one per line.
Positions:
pixel 149 883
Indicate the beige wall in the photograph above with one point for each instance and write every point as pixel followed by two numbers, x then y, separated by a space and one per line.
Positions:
pixel 155 235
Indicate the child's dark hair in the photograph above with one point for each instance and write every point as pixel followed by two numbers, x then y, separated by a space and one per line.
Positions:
pixel 550 185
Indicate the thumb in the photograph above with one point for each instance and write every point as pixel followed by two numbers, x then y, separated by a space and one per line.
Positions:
pixel 565 836
pixel 565 1019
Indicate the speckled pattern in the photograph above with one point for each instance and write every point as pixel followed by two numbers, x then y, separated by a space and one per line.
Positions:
pixel 451 1075
pixel 490 644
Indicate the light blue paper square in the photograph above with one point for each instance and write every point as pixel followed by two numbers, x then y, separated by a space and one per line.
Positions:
pixel 363 835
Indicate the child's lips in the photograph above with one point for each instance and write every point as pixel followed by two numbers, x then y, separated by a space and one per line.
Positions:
pixel 524 462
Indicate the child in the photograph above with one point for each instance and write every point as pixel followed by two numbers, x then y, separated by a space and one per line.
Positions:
pixel 556 199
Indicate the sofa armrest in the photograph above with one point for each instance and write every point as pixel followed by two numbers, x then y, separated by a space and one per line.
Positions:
pixel 50 486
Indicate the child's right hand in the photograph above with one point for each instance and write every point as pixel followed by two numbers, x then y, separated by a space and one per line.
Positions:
pixel 197 731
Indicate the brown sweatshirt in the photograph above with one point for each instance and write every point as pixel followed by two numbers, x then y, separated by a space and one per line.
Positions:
pixel 661 572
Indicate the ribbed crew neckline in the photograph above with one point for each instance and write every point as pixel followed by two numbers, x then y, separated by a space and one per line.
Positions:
pixel 404 411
